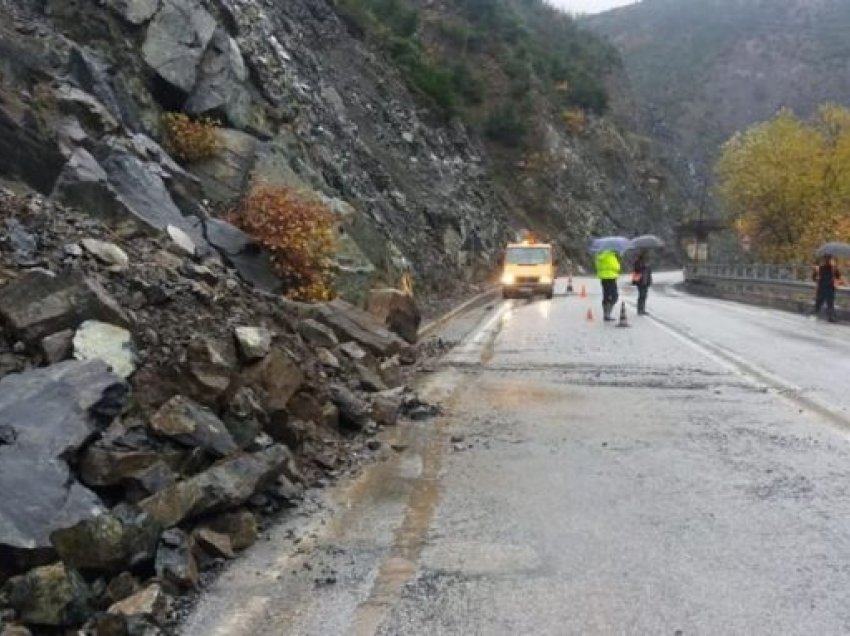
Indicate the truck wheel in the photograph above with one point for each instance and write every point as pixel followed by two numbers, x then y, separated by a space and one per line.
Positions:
pixel 506 294
pixel 550 293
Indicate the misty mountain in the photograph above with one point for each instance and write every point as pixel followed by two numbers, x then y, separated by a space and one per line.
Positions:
pixel 704 69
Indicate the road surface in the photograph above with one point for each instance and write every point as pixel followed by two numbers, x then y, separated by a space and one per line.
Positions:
pixel 686 475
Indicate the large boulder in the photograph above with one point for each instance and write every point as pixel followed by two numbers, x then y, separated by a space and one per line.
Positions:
pixel 108 543
pixel 192 425
pixel 150 603
pixel 39 304
pixel 351 323
pixel 176 40
pixel 228 484
pixel 240 526
pixel 49 596
pixel 243 254
pixel 396 310
pixel 53 412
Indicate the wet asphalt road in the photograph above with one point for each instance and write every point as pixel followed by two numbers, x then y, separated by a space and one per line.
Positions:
pixel 687 475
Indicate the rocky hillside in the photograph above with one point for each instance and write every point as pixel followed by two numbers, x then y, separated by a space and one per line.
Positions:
pixel 310 100
pixel 704 69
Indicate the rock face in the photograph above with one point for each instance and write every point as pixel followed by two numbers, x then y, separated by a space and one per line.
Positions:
pixel 53 411
pixel 397 311
pixel 254 342
pixel 39 304
pixel 225 485
pixel 194 426
pixel 176 40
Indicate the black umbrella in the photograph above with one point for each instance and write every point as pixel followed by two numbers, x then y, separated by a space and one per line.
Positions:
pixel 646 242
pixel 835 248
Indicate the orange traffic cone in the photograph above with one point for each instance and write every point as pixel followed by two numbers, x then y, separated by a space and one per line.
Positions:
pixel 624 321
pixel 589 314
pixel 583 291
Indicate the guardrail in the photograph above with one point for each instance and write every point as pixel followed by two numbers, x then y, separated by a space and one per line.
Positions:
pixel 788 287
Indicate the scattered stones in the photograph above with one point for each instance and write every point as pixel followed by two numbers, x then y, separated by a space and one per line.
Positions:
pixel 390 372
pixel 254 342
pixel 95 340
pixel 108 253
pixel 39 304
pixel 194 426
pixel 328 359
pixel 386 407
pixel 354 351
pixel 369 379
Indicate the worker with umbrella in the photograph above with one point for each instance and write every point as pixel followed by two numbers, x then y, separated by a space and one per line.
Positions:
pixel 827 277
pixel 607 252
pixel 641 270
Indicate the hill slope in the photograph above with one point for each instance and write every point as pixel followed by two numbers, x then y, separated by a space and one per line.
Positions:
pixel 707 68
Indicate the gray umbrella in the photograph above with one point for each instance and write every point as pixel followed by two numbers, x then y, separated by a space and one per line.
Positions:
pixel 841 250
pixel 645 242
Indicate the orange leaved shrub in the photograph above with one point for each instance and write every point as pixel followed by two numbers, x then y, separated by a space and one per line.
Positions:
pixel 298 233
pixel 575 120
pixel 190 139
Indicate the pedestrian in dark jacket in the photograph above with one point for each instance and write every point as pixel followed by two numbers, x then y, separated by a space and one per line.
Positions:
pixel 642 278
pixel 827 278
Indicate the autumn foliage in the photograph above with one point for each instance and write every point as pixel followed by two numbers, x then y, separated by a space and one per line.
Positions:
pixel 786 183
pixel 190 139
pixel 298 232
pixel 575 120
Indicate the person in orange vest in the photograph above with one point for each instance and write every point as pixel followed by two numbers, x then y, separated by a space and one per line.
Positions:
pixel 826 277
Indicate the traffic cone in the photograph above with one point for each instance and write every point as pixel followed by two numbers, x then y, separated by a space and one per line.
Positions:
pixel 570 285
pixel 624 322
pixel 589 315
pixel 583 291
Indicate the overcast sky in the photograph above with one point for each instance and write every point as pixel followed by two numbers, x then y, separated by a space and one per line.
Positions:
pixel 589 6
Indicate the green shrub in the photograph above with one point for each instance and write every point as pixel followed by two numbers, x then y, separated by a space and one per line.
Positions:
pixel 506 125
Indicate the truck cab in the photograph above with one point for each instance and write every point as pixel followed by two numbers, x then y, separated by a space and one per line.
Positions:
pixel 529 269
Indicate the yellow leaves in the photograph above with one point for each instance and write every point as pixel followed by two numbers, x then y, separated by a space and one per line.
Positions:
pixel 190 140
pixel 575 120
pixel 786 183
pixel 299 235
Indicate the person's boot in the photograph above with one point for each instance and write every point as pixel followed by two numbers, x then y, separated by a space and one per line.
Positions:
pixel 607 308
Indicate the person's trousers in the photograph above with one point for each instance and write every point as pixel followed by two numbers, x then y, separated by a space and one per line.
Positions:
pixel 643 292
pixel 610 296
pixel 825 296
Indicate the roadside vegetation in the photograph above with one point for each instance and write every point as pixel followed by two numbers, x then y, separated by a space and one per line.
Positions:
pixel 298 233
pixel 786 183
pixel 190 139
pixel 490 62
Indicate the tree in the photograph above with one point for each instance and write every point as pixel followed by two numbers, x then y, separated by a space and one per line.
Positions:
pixel 786 183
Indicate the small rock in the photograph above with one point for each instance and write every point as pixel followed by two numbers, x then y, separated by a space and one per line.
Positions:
pixel 58 346
pixel 457 439
pixel 354 351
pixel 353 412
pixel 96 340
pixel 73 250
pixel 369 379
pixel 51 595
pixel 390 372
pixel 240 527
pixel 327 358
pixel 215 544
pixel 175 562
pixel 254 342
pixel 182 240
pixel 317 334
pixel 386 407
pixel 8 434
pixel 212 364
pixel 374 444
pixel 193 425
pixel 122 586
pixel 399 448
pixel 151 603
pixel 108 253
